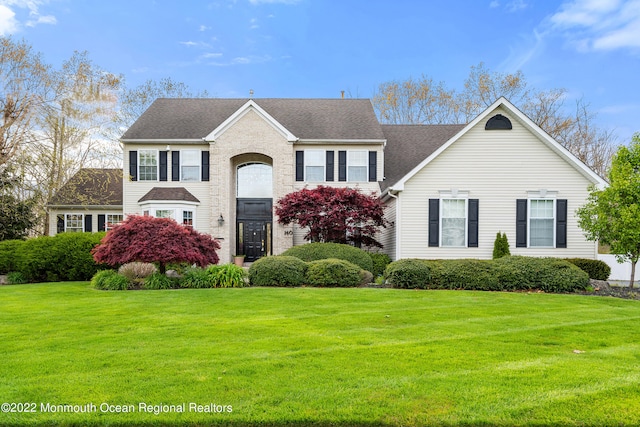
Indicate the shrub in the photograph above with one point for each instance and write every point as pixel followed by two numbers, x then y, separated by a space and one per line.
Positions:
pixel 109 280
pixel 333 272
pixel 158 281
pixel 408 273
pixel 545 274
pixel 501 246
pixel 8 257
pixel 506 273
pixel 136 272
pixel 596 269
pixel 278 270
pixel 66 256
pixel 316 251
pixel 470 274
pixel 380 262
pixel 16 278
pixel 227 275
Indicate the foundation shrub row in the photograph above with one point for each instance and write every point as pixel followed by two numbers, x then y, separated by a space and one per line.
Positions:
pixel 509 273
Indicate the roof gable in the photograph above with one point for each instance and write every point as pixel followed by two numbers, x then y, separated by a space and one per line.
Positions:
pixel 527 123
pixel 166 194
pixel 244 110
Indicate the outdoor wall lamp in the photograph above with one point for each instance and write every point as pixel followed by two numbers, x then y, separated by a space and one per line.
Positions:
pixel 221 220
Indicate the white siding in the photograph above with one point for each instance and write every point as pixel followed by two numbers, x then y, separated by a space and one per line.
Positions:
pixel 387 236
pixel 135 190
pixel 497 167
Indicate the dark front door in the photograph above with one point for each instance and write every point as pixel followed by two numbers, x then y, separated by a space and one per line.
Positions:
pixel 253 228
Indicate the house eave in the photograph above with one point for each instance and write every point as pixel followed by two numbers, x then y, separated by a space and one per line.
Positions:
pixel 164 141
pixel 341 141
pixel 87 207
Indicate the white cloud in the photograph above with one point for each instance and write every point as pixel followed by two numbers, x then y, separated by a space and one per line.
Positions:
pixel 494 4
pixel 8 22
pixel 599 24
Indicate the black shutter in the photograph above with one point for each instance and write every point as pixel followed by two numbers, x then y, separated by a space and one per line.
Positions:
pixel 87 223
pixel 521 223
pixel 329 166
pixel 299 165
pixel 373 166
pixel 163 166
pixel 472 238
pixel 561 223
pixel 342 165
pixel 133 165
pixel 175 166
pixel 60 223
pixel 434 222
pixel 205 165
pixel 101 222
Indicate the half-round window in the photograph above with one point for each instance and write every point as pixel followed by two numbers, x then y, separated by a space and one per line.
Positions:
pixel 255 180
pixel 498 122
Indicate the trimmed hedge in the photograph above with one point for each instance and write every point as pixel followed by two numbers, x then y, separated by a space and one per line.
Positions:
pixel 317 251
pixel 8 250
pixel 504 274
pixel 65 256
pixel 280 270
pixel 596 269
pixel 333 272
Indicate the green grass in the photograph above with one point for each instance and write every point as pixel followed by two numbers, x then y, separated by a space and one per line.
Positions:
pixel 308 356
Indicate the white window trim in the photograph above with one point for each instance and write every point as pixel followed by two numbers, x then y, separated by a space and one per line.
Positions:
pixel 157 155
pixel 366 164
pixel 106 219
pixel 177 208
pixel 454 195
pixel 323 161
pixel 198 163
pixel 66 218
pixel 541 195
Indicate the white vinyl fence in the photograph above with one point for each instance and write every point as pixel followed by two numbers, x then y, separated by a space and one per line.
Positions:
pixel 620 273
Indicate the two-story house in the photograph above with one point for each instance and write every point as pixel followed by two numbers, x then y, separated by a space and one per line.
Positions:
pixel 219 164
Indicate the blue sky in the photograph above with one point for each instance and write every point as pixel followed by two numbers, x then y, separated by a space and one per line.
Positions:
pixel 315 49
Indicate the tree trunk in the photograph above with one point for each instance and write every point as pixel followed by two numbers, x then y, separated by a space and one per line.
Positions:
pixel 633 273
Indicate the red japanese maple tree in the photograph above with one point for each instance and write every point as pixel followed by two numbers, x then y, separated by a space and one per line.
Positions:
pixel 158 240
pixel 339 215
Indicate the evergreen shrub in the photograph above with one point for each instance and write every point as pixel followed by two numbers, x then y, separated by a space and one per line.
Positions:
pixel 8 255
pixel 333 272
pixel 408 273
pixel 596 269
pixel 280 270
pixel 379 262
pixel 316 251
pixel 501 246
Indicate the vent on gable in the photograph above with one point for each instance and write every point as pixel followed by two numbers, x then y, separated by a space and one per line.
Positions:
pixel 498 122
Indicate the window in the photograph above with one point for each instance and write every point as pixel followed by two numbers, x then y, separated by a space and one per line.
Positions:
pixel 148 165
pixel 314 165
pixel 164 213
pixel 541 223
pixel 112 220
pixel 190 165
pixel 74 223
pixel 357 166
pixel 454 222
pixel 187 218
pixel 254 180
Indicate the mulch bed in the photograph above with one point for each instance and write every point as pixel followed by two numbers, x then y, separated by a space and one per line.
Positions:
pixel 604 289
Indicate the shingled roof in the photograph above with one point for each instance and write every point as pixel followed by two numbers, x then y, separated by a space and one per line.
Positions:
pixel 91 187
pixel 169 193
pixel 408 145
pixel 315 119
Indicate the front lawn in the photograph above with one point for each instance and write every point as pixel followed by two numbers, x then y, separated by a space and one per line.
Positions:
pixel 309 356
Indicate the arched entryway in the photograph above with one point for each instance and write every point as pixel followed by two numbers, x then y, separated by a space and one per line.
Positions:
pixel 254 203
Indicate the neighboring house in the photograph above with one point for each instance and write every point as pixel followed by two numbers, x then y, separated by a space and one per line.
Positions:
pixel 218 165
pixel 90 201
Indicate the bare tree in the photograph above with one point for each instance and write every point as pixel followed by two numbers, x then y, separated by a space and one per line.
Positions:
pixel 423 102
pixel 22 82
